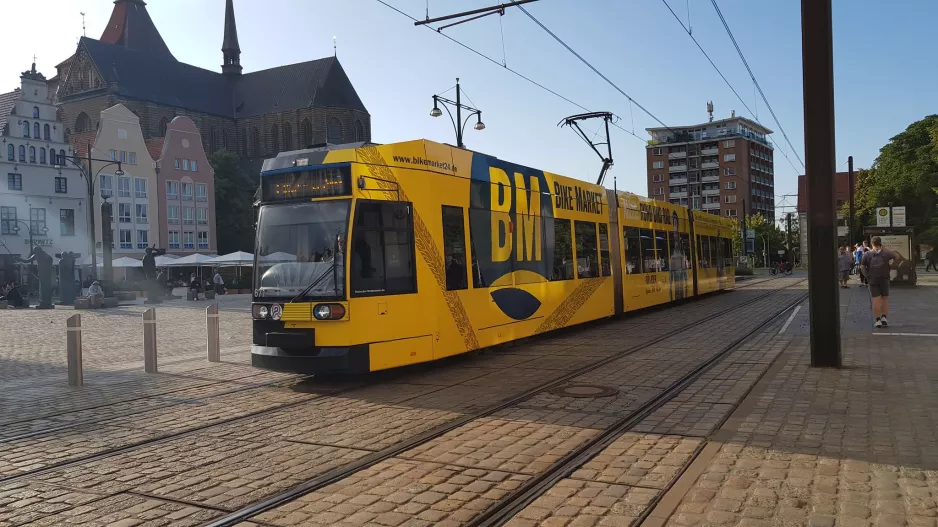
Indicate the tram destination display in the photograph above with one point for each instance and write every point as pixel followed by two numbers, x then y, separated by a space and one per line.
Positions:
pixel 305 183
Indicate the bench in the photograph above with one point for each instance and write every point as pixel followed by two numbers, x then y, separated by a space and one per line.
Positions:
pixel 85 302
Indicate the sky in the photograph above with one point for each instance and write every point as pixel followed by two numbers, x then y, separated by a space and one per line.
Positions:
pixel 884 77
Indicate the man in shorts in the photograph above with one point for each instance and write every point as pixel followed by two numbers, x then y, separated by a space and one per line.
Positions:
pixel 875 267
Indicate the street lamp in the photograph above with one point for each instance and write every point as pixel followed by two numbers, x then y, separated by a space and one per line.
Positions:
pixel 458 124
pixel 16 230
pixel 89 181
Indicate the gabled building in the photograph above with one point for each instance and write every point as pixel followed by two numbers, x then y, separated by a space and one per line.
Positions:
pixel 255 114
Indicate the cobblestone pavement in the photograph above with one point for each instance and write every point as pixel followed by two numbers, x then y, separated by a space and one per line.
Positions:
pixel 198 439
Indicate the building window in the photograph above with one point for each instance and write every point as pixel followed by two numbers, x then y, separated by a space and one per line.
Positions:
pixel 26 129
pixel 657 152
pixel 123 187
pixel 35 112
pixel 185 164
pixel 187 241
pixel 140 187
pixel 82 123
pixel 203 240
pixel 11 153
pixel 359 131
pixel 659 191
pixel 729 171
pixel 729 157
pixel 172 190
pixel 187 213
pixel 142 213
pixel 7 220
pixel 32 154
pixel 306 134
pixel 200 192
pixel 173 239
pixel 112 155
pixel 194 166
pixel 658 178
pixel 729 199
pixel 36 130
pixel 731 213
pixel 172 214
pixel 187 191
pixel 126 241
pixel 729 143
pixel 274 140
pixel 657 164
pixel 123 156
pixel 67 222
pixel 730 185
pixel 61 185
pixel 37 222
pixel 177 164
pixel 123 213
pixel 287 137
pixel 45 132
pixel 15 181
pixel 142 239
pixel 202 216
pixel 22 150
pixel 42 156
pixel 106 184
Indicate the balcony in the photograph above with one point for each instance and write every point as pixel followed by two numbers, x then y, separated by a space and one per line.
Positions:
pixel 710 164
pixel 678 181
pixel 711 192
pixel 710 179
pixel 677 155
pixel 678 168
pixel 712 151
pixel 715 205
pixel 677 195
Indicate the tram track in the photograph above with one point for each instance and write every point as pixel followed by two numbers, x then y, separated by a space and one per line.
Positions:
pixel 370 460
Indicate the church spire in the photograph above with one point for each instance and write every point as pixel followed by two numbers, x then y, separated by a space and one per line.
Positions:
pixel 229 47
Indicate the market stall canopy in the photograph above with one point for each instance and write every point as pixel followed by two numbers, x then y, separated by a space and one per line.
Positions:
pixel 165 260
pixel 236 258
pixel 126 261
pixel 193 260
pixel 86 260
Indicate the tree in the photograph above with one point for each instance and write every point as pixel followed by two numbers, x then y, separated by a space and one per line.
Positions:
pixel 904 173
pixel 234 212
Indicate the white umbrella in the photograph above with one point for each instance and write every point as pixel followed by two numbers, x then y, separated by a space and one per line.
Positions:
pixel 279 257
pixel 86 260
pixel 126 261
pixel 164 260
pixel 236 258
pixel 193 260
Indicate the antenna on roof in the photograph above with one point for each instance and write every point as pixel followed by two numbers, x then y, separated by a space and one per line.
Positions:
pixel 710 110
pixel 335 49
pixel 83 32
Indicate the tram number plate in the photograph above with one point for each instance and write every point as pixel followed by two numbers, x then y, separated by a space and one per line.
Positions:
pixel 651 284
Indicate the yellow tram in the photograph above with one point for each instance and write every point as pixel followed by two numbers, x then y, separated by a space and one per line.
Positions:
pixel 376 257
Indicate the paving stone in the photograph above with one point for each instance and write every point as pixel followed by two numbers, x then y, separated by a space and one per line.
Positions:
pixel 640 460
pixel 26 501
pixel 397 485
pixel 128 510
pixel 577 502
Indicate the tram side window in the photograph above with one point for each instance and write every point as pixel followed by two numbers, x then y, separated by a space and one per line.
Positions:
pixel 587 250
pixel 633 251
pixel 728 252
pixel 649 260
pixel 604 265
pixel 685 248
pixel 704 252
pixel 716 259
pixel 662 249
pixel 383 249
pixel 454 248
pixel 563 251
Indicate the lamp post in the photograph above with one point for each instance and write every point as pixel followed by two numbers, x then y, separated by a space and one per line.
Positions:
pixel 458 124
pixel 89 181
pixel 16 230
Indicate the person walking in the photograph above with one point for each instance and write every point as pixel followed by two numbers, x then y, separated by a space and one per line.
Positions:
pixel 219 283
pixel 846 263
pixel 875 266
pixel 932 259
pixel 863 249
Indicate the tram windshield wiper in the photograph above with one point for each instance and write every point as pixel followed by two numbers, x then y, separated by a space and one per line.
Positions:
pixel 314 283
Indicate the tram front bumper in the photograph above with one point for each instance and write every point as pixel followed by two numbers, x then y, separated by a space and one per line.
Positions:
pixel 346 359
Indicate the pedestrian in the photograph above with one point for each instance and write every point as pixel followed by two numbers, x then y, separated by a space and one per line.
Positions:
pixel 846 262
pixel 932 259
pixel 875 266
pixel 194 286
pixel 865 248
pixel 219 283
pixel 95 295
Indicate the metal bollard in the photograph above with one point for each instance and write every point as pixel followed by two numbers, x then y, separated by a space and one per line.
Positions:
pixel 212 333
pixel 149 340
pixel 73 351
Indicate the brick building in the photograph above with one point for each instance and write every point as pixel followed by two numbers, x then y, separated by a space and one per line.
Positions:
pixel 715 166
pixel 255 115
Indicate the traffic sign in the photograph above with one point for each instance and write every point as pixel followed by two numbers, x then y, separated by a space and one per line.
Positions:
pixel 882 217
pixel 898 216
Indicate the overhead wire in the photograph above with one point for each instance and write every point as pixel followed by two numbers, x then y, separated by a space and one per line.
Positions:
pixel 725 80
pixel 756 82
pixel 513 71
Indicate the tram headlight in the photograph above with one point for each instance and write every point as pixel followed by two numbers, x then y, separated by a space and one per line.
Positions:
pixel 328 311
pixel 260 311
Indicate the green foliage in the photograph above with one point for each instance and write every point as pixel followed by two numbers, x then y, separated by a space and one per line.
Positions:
pixel 905 173
pixel 234 197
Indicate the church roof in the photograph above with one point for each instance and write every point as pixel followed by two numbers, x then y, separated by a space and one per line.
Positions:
pixel 131 27
pixel 159 78
pixel 7 100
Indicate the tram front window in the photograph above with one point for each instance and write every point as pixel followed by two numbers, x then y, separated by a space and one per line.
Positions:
pixel 300 246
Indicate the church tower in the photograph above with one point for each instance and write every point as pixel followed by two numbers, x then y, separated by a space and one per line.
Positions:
pixel 230 48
